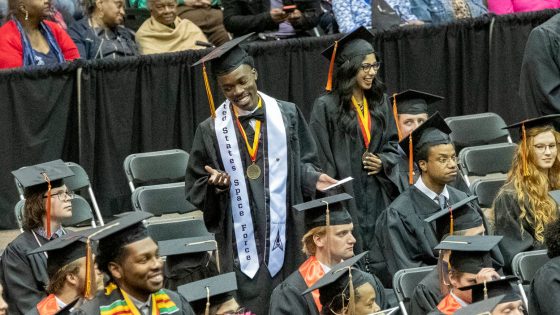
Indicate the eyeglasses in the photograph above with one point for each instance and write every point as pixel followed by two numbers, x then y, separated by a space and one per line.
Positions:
pixel 541 148
pixel 366 67
pixel 62 195
pixel 240 311
pixel 446 160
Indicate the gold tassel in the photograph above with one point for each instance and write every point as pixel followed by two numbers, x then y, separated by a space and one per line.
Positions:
pixel 48 206
pixel 396 115
pixel 351 302
pixel 331 68
pixel 90 271
pixel 328 222
pixel 524 152
pixel 451 228
pixel 207 310
pixel 208 92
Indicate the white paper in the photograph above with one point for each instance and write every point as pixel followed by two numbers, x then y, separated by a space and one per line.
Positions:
pixel 340 182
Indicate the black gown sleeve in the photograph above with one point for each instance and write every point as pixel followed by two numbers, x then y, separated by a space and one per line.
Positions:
pixel 318 123
pixel 286 299
pixel 423 300
pixel 308 158
pixel 545 289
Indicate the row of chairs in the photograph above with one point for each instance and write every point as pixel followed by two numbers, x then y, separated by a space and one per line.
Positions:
pixel 524 266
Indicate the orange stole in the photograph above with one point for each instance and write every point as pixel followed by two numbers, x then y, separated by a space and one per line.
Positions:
pixel 448 305
pixel 311 271
pixel 48 305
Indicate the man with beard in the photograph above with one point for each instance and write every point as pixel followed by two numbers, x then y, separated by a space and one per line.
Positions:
pixel 130 257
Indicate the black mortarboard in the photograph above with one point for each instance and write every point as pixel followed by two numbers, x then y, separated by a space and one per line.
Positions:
pixel 189 245
pixel 356 43
pixel 459 216
pixel 433 131
pixel 528 124
pixel 481 308
pixel 35 175
pixel 224 59
pixel 413 102
pixel 489 289
pixel 316 211
pixel 64 250
pixel 215 290
pixel 469 253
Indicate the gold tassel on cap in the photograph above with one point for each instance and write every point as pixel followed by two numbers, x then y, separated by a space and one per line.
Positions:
pixel 48 206
pixel 328 224
pixel 89 291
pixel 352 298
pixel 524 152
pixel 331 68
pixel 396 115
pixel 208 91
pixel 451 221
pixel 207 310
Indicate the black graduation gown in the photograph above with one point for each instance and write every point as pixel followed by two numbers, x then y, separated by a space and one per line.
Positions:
pixel 404 239
pixel 427 295
pixel 286 299
pixel 540 70
pixel 506 213
pixel 91 307
pixel 24 277
pixel 302 178
pixel 545 289
pixel 340 144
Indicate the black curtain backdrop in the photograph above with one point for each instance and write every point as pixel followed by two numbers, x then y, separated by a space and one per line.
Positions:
pixel 155 102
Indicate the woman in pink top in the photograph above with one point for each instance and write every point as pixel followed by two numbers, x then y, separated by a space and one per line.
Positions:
pixel 513 6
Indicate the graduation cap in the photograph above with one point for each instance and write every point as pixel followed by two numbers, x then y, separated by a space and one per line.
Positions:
pixel 433 131
pixel 356 43
pixel 469 253
pixel 190 247
pixel 481 308
pixel 42 178
pixel 224 59
pixel 489 289
pixel 459 216
pixel 210 291
pixel 325 211
pixel 528 124
pixel 412 102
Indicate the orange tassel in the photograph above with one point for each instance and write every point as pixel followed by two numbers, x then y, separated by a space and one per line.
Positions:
pixel 48 205
pixel 410 160
pixel 396 115
pixel 208 92
pixel 90 270
pixel 524 153
pixel 331 68
pixel 451 229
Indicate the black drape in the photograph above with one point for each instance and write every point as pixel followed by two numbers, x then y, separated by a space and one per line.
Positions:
pixel 155 102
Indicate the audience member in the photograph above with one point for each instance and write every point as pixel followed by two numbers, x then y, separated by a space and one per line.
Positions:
pixel 213 295
pixel 545 286
pixel 269 18
pixel 346 290
pixel 71 276
pixel 100 34
pixel 404 231
pixel 241 197
pixel 208 16
pixel 29 39
pixel 540 70
pixel 130 258
pixel 328 241
pixel 355 131
pixel 438 11
pixel 47 202
pixel 350 14
pixel 523 207
pixel 469 263
pixel 165 32
pixel 514 6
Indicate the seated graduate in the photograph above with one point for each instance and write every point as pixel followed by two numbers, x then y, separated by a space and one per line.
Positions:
pixel 131 260
pixel 327 242
pixel 47 203
pixel 405 237
pixel 511 302
pixel 165 32
pixel 71 275
pixel 469 263
pixel 410 109
pixel 523 207
pixel 213 295
pixel 345 290
pixel 545 286
pixel 491 306
pixel 188 260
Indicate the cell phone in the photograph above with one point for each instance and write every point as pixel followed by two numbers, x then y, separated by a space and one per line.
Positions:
pixel 289 8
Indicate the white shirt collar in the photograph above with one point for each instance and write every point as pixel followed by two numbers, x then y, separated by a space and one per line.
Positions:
pixel 60 303
pixel 428 192
pixel 326 268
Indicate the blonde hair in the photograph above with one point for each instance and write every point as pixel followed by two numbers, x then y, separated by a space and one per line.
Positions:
pixel 309 248
pixel 531 191
pixel 56 283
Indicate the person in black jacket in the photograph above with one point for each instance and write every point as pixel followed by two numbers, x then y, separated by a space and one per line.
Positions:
pixel 269 18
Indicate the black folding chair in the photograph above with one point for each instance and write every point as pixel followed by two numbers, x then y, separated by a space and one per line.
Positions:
pixel 486 190
pixel 482 160
pixel 156 167
pixel 524 265
pixel 477 129
pixel 169 230
pixel 404 283
pixel 161 199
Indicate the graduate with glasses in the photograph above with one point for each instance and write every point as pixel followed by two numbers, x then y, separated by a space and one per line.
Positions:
pixel 523 207
pixel 47 203
pixel 355 131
